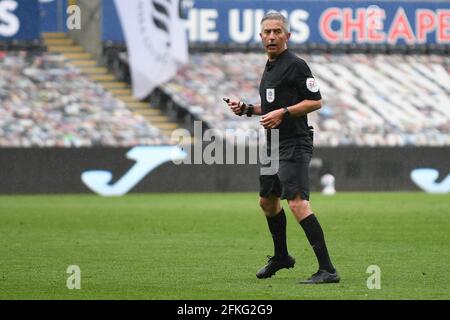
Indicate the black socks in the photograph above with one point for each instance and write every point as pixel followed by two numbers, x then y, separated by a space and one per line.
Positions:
pixel 313 231
pixel 315 236
pixel 277 227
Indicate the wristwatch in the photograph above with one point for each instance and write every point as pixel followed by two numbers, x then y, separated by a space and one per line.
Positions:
pixel 286 112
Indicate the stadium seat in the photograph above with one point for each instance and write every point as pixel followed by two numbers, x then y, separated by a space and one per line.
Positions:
pixel 47 102
pixel 378 99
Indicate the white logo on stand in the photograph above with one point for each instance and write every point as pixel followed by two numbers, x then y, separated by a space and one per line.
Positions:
pixel 270 95
pixel 426 179
pixel 312 85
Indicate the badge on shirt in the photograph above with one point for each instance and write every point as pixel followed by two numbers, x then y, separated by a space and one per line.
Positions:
pixel 312 85
pixel 270 95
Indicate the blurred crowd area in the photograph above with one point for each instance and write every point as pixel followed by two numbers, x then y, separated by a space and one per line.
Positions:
pixel 46 102
pixel 368 100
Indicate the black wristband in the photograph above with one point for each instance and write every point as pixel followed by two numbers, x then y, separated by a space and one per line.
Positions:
pixel 250 110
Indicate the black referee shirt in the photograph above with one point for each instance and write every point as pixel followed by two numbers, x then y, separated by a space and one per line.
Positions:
pixel 287 81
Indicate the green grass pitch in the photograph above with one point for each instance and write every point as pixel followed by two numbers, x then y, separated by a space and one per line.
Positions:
pixel 209 246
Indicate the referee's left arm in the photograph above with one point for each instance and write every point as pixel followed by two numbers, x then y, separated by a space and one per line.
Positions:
pixel 274 118
pixel 304 107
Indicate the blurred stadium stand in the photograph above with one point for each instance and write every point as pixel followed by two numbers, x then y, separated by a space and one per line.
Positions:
pixel 373 95
pixel 358 109
pixel 53 94
pixel 46 101
pixel 59 92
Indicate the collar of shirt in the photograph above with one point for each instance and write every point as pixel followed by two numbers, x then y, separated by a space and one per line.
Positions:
pixel 271 64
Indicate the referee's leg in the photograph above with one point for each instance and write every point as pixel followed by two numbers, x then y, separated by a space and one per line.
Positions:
pixel 313 230
pixel 300 208
pixel 269 201
pixel 276 220
pixel 270 205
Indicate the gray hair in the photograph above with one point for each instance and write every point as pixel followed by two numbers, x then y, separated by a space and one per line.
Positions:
pixel 275 15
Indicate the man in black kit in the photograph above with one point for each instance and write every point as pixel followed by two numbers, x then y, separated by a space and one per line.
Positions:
pixel 288 93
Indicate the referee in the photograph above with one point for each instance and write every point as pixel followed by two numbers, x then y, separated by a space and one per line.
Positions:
pixel 288 93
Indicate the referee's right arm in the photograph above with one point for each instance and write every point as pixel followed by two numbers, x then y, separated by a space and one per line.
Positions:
pixel 240 108
pixel 257 110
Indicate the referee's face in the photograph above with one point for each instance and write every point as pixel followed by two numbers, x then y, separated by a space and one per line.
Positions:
pixel 274 37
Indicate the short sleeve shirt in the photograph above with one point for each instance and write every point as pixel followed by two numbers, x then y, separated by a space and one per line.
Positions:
pixel 287 81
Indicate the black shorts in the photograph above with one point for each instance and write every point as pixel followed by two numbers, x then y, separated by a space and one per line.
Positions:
pixel 292 179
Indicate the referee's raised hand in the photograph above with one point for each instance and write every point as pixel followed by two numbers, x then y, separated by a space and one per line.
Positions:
pixel 236 106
